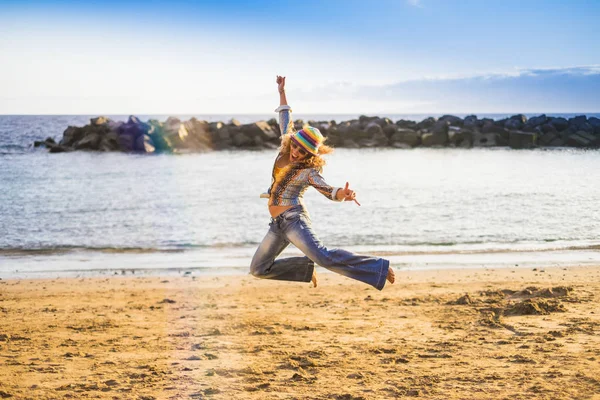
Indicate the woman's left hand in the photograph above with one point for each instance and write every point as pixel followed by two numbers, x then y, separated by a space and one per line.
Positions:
pixel 349 194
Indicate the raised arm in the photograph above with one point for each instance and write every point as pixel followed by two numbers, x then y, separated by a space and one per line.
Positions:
pixel 285 118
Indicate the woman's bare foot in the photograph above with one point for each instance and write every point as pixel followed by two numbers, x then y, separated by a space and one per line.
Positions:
pixel 391 276
pixel 314 279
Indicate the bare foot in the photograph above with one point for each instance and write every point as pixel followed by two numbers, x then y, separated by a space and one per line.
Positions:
pixel 391 276
pixel 314 279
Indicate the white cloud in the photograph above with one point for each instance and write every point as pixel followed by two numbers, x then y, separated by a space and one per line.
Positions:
pixel 566 89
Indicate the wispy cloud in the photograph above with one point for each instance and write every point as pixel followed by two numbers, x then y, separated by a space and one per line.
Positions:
pixel 414 3
pixel 570 89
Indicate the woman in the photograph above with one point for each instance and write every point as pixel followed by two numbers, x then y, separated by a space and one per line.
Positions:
pixel 298 165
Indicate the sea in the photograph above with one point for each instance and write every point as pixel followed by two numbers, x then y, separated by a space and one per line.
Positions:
pixel 100 214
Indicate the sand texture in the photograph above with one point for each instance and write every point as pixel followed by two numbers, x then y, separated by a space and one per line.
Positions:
pixel 454 334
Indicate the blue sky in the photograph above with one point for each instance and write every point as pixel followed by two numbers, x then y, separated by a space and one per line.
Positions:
pixel 403 56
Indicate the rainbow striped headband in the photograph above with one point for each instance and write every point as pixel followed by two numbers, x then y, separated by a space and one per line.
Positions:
pixel 309 138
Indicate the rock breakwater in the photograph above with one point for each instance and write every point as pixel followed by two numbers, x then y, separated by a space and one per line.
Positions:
pixel 176 136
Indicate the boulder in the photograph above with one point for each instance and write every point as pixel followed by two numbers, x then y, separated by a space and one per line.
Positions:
pixel 383 122
pixel 586 127
pixel 71 135
pixel 100 121
pixel 374 129
pixel 582 139
pixel 109 142
pixel 406 124
pixel 337 133
pixel 484 139
pixel 389 130
pixel 48 143
pixel 548 138
pixel 577 121
pixel 560 124
pixel 595 123
pixel 440 127
pixel 364 120
pixel 241 140
pixel 501 122
pixel 514 124
pixel 173 133
pixel 87 137
pixel 223 134
pixel 459 137
pixel 537 121
pixel 263 130
pixel 502 139
pixel 522 140
pixel 159 136
pixel 197 135
pixel 144 144
pixel 471 123
pixel 222 139
pixel 130 131
pixel 127 142
pixel 426 123
pixel 519 117
pixel 172 121
pixel 531 129
pixel 557 142
pixel 215 126
pixel 452 120
pixel 257 142
pixel 406 137
pixel 546 128
pixel 88 142
pixel 354 132
pixel 59 149
pixel 432 139
pixel 376 137
pixel 492 128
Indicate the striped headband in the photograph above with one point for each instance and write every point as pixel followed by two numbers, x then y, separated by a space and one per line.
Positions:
pixel 309 138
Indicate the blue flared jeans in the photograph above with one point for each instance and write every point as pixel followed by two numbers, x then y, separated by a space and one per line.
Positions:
pixel 294 226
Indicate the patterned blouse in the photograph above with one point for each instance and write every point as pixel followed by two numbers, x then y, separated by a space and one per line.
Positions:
pixel 290 182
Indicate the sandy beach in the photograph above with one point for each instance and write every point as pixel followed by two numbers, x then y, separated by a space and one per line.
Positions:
pixel 452 334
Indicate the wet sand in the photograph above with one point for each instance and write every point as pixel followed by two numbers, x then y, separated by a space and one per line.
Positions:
pixel 452 334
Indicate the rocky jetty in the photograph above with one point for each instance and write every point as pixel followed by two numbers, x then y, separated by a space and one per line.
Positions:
pixel 174 135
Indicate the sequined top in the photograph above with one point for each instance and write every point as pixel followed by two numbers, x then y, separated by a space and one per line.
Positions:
pixel 290 182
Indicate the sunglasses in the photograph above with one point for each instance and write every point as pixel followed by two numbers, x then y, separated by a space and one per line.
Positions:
pixel 301 151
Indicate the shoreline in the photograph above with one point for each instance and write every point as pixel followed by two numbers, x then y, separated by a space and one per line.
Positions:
pixel 434 334
pixel 236 261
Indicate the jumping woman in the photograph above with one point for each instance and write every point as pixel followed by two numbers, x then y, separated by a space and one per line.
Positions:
pixel 297 166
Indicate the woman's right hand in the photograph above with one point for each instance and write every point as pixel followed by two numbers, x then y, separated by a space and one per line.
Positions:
pixel 280 83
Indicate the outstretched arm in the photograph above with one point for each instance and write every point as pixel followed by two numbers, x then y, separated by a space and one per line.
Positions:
pixel 284 110
pixel 337 194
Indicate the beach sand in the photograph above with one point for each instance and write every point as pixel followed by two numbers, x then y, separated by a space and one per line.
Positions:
pixel 450 334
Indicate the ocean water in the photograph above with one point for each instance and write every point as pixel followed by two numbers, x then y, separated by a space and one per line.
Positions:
pixel 81 213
